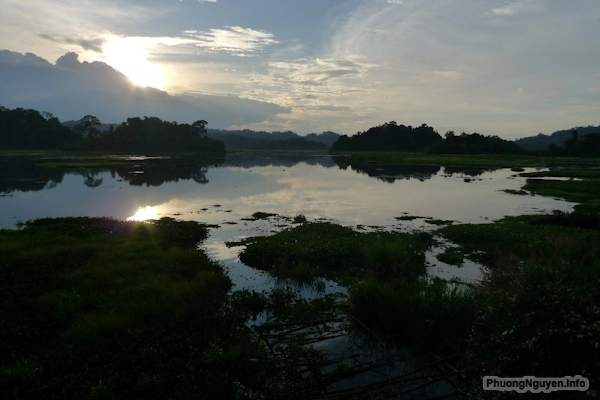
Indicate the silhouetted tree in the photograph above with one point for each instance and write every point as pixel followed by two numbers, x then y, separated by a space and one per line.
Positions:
pixel 88 126
pixel 389 137
pixel 153 134
pixel 31 129
pixel 474 143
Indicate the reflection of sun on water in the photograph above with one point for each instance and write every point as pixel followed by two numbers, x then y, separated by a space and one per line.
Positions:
pixel 127 57
pixel 144 214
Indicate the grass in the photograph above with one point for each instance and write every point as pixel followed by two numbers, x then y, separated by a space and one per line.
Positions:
pixel 585 192
pixel 80 292
pixel 583 173
pixel 452 256
pixel 522 236
pixel 424 314
pixel 539 303
pixel 101 308
pixel 539 316
pixel 327 250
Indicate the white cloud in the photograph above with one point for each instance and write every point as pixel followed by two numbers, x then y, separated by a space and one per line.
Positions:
pixel 316 72
pixel 235 40
pixel 516 7
pixel 510 9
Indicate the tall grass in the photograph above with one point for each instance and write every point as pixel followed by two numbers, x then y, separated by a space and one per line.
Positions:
pixel 418 313
pixel 539 317
pixel 327 250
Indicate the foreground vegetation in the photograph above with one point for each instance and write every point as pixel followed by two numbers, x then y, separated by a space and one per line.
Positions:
pixel 100 308
pixel 536 312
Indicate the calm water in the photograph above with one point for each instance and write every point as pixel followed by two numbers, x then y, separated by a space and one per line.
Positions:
pixel 224 192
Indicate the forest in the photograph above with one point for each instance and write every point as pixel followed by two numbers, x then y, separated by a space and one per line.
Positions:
pixel 32 129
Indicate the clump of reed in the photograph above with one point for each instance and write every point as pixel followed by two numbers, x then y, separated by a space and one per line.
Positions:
pixel 323 249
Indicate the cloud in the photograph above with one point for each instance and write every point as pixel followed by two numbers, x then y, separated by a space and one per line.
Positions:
pixel 234 40
pixel 510 9
pixel 515 8
pixel 324 73
pixel 92 44
pixel 71 89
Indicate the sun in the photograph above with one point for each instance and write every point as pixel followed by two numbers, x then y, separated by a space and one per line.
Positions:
pixel 129 58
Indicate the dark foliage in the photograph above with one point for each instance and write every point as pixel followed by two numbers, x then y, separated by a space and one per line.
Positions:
pixel 576 146
pixel 389 137
pixel 31 129
pixel 153 134
pixel 573 220
pixel 474 143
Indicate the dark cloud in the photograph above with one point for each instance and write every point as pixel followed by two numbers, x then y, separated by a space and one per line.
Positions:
pixel 94 44
pixel 324 107
pixel 71 89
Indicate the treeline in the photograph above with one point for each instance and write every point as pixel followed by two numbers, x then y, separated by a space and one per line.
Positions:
pixel 31 129
pixel 393 137
pixel 389 137
pixel 148 134
pixel 474 143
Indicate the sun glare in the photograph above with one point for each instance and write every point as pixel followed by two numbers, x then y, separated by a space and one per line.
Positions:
pixel 144 214
pixel 125 56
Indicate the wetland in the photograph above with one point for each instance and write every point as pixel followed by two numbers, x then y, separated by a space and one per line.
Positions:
pixel 294 275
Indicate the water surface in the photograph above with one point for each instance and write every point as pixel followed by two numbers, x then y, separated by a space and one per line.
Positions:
pixel 227 192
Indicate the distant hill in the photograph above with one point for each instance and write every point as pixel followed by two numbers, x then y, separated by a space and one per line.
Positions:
pixel 541 142
pixel 260 140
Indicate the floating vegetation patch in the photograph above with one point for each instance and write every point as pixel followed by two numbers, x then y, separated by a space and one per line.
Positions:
pixel 335 252
pixel 452 256
pixel 434 221
pixel 515 192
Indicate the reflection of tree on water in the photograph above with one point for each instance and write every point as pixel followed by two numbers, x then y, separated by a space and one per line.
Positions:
pixel 90 179
pixel 389 172
pixel 200 176
pixel 283 159
pixel 25 174
pixel 462 171
pixel 157 172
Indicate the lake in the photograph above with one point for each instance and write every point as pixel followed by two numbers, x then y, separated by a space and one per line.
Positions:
pixel 227 192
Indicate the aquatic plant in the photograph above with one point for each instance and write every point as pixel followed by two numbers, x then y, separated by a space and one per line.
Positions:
pixel 323 249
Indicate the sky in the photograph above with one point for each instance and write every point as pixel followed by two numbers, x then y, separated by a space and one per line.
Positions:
pixel 511 68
